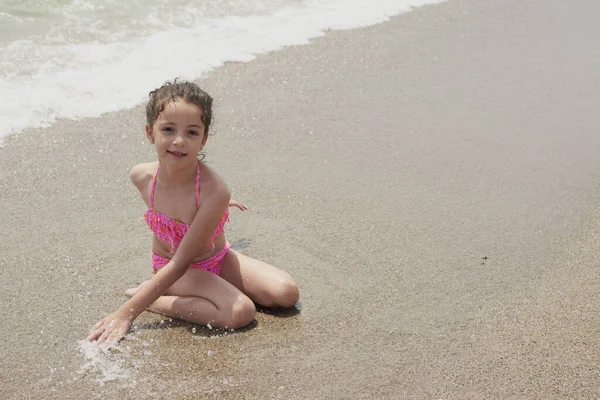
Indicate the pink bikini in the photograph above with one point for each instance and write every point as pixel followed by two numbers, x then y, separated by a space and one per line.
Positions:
pixel 172 232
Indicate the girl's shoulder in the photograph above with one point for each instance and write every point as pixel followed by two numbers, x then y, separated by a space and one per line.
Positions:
pixel 142 174
pixel 211 183
pixel 209 175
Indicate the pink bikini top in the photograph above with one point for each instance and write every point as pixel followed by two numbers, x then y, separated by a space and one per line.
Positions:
pixel 172 231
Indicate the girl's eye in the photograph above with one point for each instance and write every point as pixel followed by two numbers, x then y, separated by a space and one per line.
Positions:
pixel 167 129
pixel 193 133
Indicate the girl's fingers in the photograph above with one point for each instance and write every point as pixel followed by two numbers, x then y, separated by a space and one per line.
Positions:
pixel 237 204
pixel 104 336
pixel 98 329
pixel 109 333
pixel 114 338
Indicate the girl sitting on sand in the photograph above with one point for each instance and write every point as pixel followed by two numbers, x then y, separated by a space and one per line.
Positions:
pixel 197 276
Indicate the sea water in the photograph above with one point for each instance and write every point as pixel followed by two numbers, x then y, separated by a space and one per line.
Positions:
pixel 82 58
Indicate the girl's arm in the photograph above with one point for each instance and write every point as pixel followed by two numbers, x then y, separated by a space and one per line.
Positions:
pixel 112 328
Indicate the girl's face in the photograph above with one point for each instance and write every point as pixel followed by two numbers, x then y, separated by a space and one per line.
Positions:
pixel 178 133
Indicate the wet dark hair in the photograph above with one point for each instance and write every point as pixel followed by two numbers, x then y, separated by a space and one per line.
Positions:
pixel 171 91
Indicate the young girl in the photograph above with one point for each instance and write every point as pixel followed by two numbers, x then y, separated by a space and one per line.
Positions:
pixel 197 276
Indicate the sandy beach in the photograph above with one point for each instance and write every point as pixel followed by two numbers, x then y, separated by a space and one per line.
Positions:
pixel 432 183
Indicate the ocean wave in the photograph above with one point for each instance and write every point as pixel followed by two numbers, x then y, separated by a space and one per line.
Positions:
pixel 63 78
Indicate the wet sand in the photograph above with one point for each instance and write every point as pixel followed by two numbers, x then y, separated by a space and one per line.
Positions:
pixel 431 182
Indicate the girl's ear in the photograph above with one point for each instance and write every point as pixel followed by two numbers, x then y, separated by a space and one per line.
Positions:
pixel 149 133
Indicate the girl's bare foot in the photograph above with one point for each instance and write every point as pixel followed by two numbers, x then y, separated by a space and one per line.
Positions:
pixel 132 291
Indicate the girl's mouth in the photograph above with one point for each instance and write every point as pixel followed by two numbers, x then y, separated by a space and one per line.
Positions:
pixel 177 154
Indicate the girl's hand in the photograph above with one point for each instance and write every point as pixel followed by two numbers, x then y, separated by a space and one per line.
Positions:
pixel 111 329
pixel 233 203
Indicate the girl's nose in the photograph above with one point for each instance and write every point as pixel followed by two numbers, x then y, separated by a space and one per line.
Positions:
pixel 178 140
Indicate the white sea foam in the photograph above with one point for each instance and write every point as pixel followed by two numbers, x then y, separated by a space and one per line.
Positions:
pixel 59 77
pixel 101 362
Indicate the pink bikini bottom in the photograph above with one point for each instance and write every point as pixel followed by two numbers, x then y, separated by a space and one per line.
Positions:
pixel 212 264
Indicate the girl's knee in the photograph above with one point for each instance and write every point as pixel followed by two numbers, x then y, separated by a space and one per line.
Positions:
pixel 242 313
pixel 287 294
pixel 291 294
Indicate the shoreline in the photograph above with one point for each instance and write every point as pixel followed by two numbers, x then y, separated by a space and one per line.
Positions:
pixel 240 38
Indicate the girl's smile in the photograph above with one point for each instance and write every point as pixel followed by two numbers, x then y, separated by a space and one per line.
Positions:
pixel 177 154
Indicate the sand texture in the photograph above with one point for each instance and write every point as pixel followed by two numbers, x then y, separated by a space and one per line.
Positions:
pixel 432 183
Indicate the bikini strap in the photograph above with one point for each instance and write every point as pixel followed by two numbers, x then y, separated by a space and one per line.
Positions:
pixel 198 184
pixel 153 186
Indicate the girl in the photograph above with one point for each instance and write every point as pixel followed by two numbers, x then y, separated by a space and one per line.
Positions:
pixel 197 276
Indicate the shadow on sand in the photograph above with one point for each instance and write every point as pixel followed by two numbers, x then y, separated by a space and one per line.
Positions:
pixel 202 330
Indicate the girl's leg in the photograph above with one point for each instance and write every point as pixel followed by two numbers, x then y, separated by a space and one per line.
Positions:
pixel 263 283
pixel 204 298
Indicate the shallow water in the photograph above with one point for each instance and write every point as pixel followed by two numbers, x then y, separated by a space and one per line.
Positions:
pixel 77 58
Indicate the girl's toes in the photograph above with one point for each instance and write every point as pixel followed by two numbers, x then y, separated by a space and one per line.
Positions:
pixel 132 291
